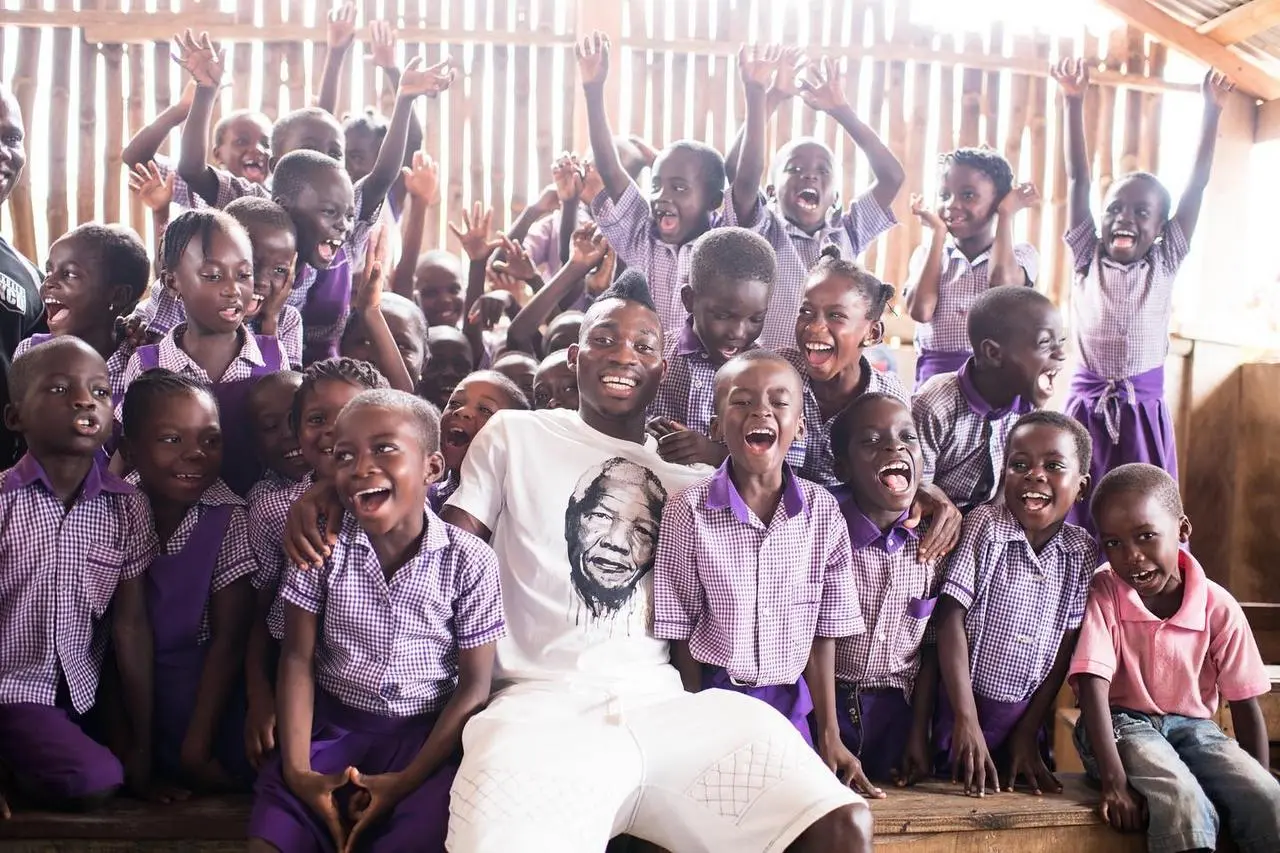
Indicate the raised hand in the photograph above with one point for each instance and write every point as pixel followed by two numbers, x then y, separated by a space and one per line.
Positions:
pixel 598 280
pixel 489 308
pixel 516 263
pixel 1072 76
pixel 592 183
pixel 341 28
pixel 382 44
pixel 1020 197
pixel 791 66
pixel 422 179
pixel 474 234
pixel 928 216
pixel 1216 89
pixel 418 78
pixel 823 87
pixel 154 191
pixel 588 246
pixel 593 58
pixel 200 58
pixel 566 173
pixel 757 64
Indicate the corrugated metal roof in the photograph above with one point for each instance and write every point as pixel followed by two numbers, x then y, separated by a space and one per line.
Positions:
pixel 1265 46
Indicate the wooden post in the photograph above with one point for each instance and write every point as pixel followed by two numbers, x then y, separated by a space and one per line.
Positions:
pixel 497 166
pixel 1037 96
pixel 433 116
pixel 874 113
pixel 1135 63
pixel 57 212
pixel 24 85
pixel 87 157
pixel 1107 117
pixel 523 133
pixel 971 96
pixel 138 214
pixel 1019 94
pixel 476 77
pixel 991 96
pixel 1149 150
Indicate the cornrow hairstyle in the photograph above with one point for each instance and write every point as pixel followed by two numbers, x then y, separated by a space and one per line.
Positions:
pixel 631 286
pixel 731 254
pixel 424 416
pixel 999 312
pixel 288 121
pixel 121 255
pixel 252 210
pixel 220 129
pixel 1142 479
pixel 1056 420
pixel 986 160
pixel 516 397
pixel 192 224
pixel 299 169
pixel 710 163
pixel 842 426
pixel 25 367
pixel 361 374
pixel 150 387
pixel 876 292
pixel 1166 202
pixel 369 121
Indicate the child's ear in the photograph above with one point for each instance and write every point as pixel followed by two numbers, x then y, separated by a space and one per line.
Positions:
pixel 433 470
pixel 991 352
pixel 874 335
pixel 170 282
pixel 715 430
pixel 1184 530
pixel 800 430
pixel 12 418
pixel 120 297
pixel 714 201
pixel 686 298
pixel 1083 491
pixel 571 358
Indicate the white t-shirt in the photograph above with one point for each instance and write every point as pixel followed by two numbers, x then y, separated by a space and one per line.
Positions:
pixel 574 515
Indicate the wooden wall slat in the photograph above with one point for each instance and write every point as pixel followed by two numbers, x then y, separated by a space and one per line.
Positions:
pixel 1136 61
pixel 1016 125
pixel 458 110
pixel 432 112
pixel 1152 113
pixel 971 96
pixel 25 87
pixel 856 20
pixel 113 56
pixel 497 131
pixel 1107 117
pixel 1053 278
pixel 875 111
pixel 137 113
pixel 991 90
pixel 87 157
pixel 57 214
pixel 522 70
pixel 1037 96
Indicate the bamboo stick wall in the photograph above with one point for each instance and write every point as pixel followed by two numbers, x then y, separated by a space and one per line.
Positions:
pixel 512 107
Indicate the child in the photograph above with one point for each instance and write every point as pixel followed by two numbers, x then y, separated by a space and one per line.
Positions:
pixel 198 593
pixel 839 318
pixel 1160 647
pixel 451 361
pixel 520 368
pixel 274 441
pixel 964 418
pixel 977 202
pixel 406 589
pixel 476 399
pixel 408 329
pixel 1012 602
pixel 1122 299
pixel 751 539
pixel 74 545
pixel 885 690
pixel 653 237
pixel 325 388
pixel 804 218
pixel 555 385
pixel 731 273
pixel 437 287
pixel 207 261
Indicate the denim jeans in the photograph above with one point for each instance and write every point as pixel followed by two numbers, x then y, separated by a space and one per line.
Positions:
pixel 1190 773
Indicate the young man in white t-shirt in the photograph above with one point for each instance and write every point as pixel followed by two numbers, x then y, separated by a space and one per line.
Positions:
pixel 590 734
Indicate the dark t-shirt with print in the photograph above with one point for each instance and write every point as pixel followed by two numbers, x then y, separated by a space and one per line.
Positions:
pixel 21 314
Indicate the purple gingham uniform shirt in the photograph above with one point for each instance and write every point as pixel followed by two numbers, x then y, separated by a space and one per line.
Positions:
pixel 688 390
pixel 962 437
pixel 1120 314
pixel 748 596
pixel 542 243
pixel 851 230
pixel 268 512
pixel 1019 603
pixel 163 311
pixel 115 365
pixel 811 455
pixel 182 194
pixel 960 282
pixel 391 647
pixel 897 594
pixel 59 569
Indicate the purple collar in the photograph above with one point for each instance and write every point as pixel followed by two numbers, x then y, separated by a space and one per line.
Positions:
pixel 723 494
pixel 978 404
pixel 29 471
pixel 863 532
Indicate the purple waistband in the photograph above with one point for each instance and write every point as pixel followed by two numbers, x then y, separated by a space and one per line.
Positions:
pixel 1106 396
pixel 333 711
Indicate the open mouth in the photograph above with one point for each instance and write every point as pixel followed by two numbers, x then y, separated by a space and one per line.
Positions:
pixel 370 500
pixel 327 250
pixel 457 437
pixel 1036 501
pixel 87 425
pixel 760 439
pixel 895 476
pixel 231 313
pixel 295 453
pixel 619 386
pixel 819 353
pixel 1045 383
pixel 1123 239
pixel 54 311
pixel 189 480
pixel 1144 579
pixel 808 199
pixel 253 169
pixel 667 220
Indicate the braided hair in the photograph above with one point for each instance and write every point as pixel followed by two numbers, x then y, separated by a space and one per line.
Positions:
pixel 361 374
pixel 151 387
pixel 877 293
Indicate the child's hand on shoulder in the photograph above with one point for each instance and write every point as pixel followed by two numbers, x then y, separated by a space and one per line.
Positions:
pixel 566 174
pixel 341 28
pixel 683 446
pixel 200 59
pixel 1216 89
pixel 382 44
pixel 846 766
pixel 418 78
pixel 516 262
pixel 757 64
pixel 588 246
pixel 1021 197
pixel 823 87
pixel 593 59
pixel 1123 807
pixel 422 179
pixel 153 191
pixel 474 234
pixel 1072 76
pixel 927 215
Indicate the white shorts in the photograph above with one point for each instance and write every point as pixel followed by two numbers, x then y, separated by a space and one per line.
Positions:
pixel 564 771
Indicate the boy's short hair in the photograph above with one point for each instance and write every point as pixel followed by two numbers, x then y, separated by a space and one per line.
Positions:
pixel 1166 201
pixel 342 369
pixel 298 169
pixel 25 367
pixel 733 254
pixel 842 426
pixel 250 210
pixel 710 162
pixel 291 379
pixel 122 254
pixel 877 293
pixel 418 319
pixel 1000 311
pixel 986 160
pixel 516 397
pixel 190 224
pixel 442 258
pixel 220 129
pixel 749 357
pixel 152 385
pixel 1143 479
pixel 290 120
pixel 423 415
pixel 1079 435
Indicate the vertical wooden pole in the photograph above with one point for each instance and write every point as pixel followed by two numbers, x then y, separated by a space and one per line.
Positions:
pixel 57 212
pixel 498 134
pixel 1152 113
pixel 1136 63
pixel 991 97
pixel 477 80
pixel 971 96
pixel 1107 116
pixel 607 18
pixel 522 133
pixel 138 214
pixel 25 83
pixel 87 157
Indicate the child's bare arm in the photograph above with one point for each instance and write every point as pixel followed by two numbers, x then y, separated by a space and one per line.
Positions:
pixel 478 245
pixel 204 63
pixel 820 675
pixel 1120 806
pixel 689 668
pixel 1024 748
pixel 916 763
pixel 341 32
pixel 146 142
pixel 260 723
pixel 971 759
pixel 131 633
pixel 786 85
pixel 1072 76
pixel 923 284
pixel 1003 267
pixel 422 184
pixel 1251 730
pixel 593 65
pixel 588 249
pixel 1217 90
pixel 756 67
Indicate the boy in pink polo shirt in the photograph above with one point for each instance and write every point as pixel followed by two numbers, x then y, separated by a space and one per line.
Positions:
pixel 1151 608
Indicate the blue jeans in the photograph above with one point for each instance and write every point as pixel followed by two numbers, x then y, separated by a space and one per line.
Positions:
pixel 1189 772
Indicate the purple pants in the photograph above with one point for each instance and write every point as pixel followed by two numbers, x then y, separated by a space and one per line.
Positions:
pixel 930 363
pixel 1128 421
pixel 52 758
pixel 345 737
pixel 996 719
pixel 791 700
pixel 875 726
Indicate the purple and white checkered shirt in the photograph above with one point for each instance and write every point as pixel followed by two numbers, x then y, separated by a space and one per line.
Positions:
pixel 851 230
pixel 163 311
pixel 811 455
pixel 748 596
pixel 116 364
pixel 688 390
pixel 962 437
pixel 182 195
pixel 897 594
pixel 59 569
pixel 268 512
pixel 171 357
pixel 1120 314
pixel 235 560
pixel 960 283
pixel 1019 603
pixel 391 647
pixel 542 243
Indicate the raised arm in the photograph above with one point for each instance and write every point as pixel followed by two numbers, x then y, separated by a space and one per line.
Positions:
pixel 341 32
pixel 1217 90
pixel 593 65
pixel 204 63
pixel 146 142
pixel 588 250
pixel 422 185
pixel 1003 267
pixel 478 245
pixel 756 67
pixel 923 282
pixel 786 85
pixel 154 192
pixel 382 46
pixel 1072 76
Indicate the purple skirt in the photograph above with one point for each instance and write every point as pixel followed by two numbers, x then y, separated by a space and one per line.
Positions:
pixel 346 737
pixel 875 726
pixel 930 363
pixel 791 700
pixel 996 719
pixel 52 758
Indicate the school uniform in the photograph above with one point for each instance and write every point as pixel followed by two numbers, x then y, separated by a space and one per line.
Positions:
pixel 687 393
pixel 852 230
pixel 876 669
pixel 1019 605
pixel 750 597
pixel 163 310
pixel 942 345
pixel 207 552
pixel 439 492
pixel 542 243
pixel 59 569
pixel 962 436
pixel 386 664
pixel 259 356
pixel 811 454
pixel 1166 679
pixel 21 314
pixel 268 513
pixel 1120 324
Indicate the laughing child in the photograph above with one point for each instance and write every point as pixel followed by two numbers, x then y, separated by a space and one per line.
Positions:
pixel 473 402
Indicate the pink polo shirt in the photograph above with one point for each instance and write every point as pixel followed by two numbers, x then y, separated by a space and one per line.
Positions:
pixel 1181 665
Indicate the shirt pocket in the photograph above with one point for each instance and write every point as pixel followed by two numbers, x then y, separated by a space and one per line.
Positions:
pixel 101 576
pixel 912 629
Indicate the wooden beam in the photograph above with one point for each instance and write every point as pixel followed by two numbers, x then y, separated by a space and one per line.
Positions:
pixel 1248 77
pixel 1243 22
